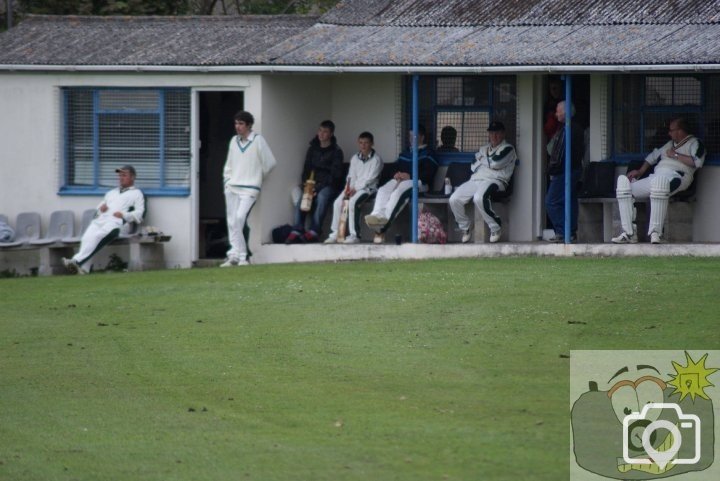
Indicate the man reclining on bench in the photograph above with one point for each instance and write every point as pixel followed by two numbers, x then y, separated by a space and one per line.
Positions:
pixel 121 206
pixel 675 164
pixel 394 194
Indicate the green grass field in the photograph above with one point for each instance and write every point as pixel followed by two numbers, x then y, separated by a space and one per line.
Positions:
pixel 437 370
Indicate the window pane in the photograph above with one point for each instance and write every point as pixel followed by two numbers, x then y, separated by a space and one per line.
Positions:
pixel 687 91
pixel 450 91
pixel 474 133
pixel 658 91
pixel 133 139
pixel 710 131
pixel 129 99
pixel 79 140
pixel 177 138
pixel 477 91
pixel 126 127
pixel 504 106
pixel 627 126
pixel 454 121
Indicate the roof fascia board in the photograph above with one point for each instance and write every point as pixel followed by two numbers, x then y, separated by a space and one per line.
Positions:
pixel 364 68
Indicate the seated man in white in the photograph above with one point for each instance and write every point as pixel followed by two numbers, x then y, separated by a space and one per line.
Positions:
pixel 491 172
pixel 675 165
pixel 121 206
pixel 394 194
pixel 362 180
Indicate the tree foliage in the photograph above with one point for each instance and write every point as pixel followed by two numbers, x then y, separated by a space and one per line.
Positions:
pixel 171 7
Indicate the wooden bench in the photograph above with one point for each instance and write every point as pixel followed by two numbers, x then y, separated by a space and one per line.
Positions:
pixel 481 233
pixel 678 222
pixel 145 252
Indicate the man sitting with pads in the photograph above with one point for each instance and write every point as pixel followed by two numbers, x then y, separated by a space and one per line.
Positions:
pixel 675 164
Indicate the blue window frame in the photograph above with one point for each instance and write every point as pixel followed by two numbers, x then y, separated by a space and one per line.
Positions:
pixel 462 107
pixel 105 128
pixel 643 105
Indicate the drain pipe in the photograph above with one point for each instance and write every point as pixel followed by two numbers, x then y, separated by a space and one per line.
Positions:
pixel 415 126
pixel 568 156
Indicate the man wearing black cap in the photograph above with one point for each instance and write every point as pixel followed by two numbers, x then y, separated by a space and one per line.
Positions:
pixel 491 172
pixel 121 206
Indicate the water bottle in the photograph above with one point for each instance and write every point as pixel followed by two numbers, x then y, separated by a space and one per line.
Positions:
pixel 448 186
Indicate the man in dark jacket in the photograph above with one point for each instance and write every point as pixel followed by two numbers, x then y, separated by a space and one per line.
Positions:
pixel 324 161
pixel 555 197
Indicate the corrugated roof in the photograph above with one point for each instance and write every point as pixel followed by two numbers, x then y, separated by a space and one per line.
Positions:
pixel 419 13
pixel 387 33
pixel 192 41
pixel 501 45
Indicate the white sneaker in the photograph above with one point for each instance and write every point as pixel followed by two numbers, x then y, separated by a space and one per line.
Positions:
pixel 379 238
pixel 230 262
pixel 375 220
pixel 467 235
pixel 331 240
pixel 243 262
pixel 495 236
pixel 655 238
pixel 70 265
pixel 625 238
pixel 81 270
pixel 352 239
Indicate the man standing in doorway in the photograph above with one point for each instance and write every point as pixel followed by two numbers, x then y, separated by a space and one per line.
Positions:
pixel 249 160
pixel 555 198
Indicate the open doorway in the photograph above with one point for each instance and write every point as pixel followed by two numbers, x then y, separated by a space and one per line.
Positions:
pixel 216 129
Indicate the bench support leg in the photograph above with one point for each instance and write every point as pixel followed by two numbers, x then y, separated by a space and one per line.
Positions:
pixel 146 256
pixel 51 260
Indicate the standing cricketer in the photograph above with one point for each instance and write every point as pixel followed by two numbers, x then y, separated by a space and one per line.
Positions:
pixel 249 160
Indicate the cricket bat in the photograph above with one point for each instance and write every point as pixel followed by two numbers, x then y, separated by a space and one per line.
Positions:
pixel 342 225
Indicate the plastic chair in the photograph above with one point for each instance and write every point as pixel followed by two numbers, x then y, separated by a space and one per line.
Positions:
pixel 27 229
pixel 62 223
pixel 87 217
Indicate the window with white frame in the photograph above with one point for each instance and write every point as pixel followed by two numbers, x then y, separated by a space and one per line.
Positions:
pixel 105 128
pixel 643 106
pixel 467 105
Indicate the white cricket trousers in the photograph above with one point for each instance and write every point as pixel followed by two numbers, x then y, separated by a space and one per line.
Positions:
pixel 475 190
pixel 100 232
pixel 238 208
pixel 360 195
pixel 388 197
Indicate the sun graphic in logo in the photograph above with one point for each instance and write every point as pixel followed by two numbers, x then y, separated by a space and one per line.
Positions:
pixel 691 379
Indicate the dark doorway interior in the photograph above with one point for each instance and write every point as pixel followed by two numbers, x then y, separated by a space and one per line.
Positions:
pixel 216 129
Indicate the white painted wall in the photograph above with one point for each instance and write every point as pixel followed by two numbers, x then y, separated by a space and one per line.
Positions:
pixel 367 102
pixel 292 108
pixel 30 166
pixel 524 207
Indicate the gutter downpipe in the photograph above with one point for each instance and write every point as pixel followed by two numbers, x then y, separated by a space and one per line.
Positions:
pixel 568 156
pixel 415 126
